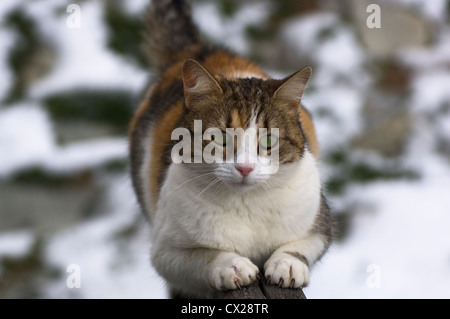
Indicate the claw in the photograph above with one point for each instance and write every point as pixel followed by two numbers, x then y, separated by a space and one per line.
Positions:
pixel 281 282
pixel 237 284
pixel 292 283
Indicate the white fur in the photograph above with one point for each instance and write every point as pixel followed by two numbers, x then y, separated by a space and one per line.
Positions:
pixel 246 150
pixel 233 223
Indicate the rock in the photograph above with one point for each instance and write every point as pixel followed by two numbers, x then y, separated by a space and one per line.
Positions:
pixel 387 123
pixel 401 28
pixel 47 203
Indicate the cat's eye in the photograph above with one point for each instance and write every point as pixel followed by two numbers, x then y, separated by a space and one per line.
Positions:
pixel 222 138
pixel 268 141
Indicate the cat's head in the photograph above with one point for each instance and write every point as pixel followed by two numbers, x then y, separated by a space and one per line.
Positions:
pixel 245 133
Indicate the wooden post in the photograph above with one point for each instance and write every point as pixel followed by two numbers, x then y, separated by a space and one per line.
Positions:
pixel 262 290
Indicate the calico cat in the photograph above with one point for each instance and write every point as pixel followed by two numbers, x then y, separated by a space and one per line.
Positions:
pixel 218 226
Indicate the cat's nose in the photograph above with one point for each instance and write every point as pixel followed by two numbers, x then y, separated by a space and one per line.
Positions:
pixel 245 169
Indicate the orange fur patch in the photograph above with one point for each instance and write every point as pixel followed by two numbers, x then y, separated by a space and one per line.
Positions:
pixel 310 132
pixel 145 104
pixel 161 138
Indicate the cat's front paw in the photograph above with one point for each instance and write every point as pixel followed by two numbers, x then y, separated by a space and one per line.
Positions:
pixel 287 272
pixel 232 272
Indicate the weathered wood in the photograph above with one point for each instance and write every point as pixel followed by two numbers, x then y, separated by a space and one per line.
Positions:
pixel 260 289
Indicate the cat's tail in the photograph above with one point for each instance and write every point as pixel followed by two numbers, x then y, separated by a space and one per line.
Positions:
pixel 171 33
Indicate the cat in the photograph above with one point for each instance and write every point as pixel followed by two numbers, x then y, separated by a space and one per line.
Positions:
pixel 220 225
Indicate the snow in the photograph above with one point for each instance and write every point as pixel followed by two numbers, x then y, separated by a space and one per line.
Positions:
pixel 426 59
pixel 341 46
pixel 303 33
pixel 86 154
pixel 15 243
pixel 344 103
pixel 136 7
pixel 27 139
pixel 84 59
pixel 7 6
pixel 434 10
pixel 400 229
pixel 229 31
pixel 431 91
pixel 413 262
pixel 92 247
pixel 343 99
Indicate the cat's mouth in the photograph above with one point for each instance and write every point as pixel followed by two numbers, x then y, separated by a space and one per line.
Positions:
pixel 244 181
pixel 242 184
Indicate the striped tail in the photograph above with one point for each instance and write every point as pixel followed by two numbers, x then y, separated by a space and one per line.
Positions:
pixel 171 33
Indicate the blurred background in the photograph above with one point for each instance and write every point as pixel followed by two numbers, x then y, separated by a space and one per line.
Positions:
pixel 71 79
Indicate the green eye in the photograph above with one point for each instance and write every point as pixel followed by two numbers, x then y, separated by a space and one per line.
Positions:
pixel 268 141
pixel 222 139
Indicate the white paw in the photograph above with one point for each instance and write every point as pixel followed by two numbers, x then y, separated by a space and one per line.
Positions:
pixel 287 272
pixel 232 273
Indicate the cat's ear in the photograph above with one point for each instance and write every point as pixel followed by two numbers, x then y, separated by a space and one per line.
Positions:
pixel 198 83
pixel 293 86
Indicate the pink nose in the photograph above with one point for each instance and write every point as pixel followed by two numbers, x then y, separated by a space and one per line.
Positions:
pixel 245 169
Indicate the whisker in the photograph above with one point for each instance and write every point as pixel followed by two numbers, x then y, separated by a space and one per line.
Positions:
pixel 266 188
pixel 190 180
pixel 209 185
pixel 220 187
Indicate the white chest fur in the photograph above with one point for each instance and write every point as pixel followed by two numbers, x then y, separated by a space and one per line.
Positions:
pixel 252 224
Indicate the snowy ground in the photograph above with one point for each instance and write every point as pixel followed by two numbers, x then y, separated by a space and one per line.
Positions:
pixel 398 244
